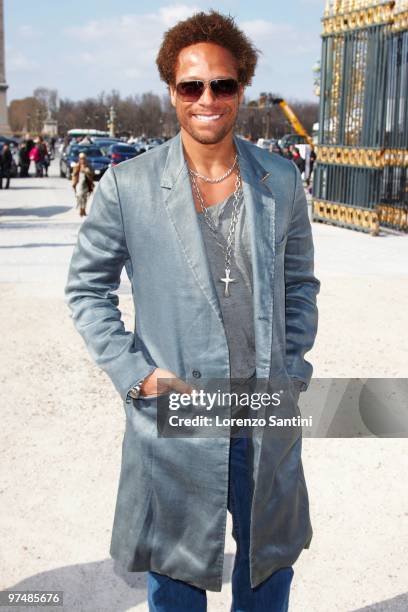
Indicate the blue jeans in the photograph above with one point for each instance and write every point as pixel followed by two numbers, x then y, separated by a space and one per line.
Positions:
pixel 272 595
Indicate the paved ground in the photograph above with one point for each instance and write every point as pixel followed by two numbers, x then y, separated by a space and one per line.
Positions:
pixel 62 424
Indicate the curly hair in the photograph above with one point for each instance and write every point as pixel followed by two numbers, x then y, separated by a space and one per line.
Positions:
pixel 207 27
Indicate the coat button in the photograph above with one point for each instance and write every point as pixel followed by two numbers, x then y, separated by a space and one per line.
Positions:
pixel 196 373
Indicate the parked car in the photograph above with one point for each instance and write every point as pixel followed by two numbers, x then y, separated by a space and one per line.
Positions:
pixel 104 143
pixel 97 160
pixel 266 143
pixel 292 139
pixel 121 152
pixel 153 142
pixel 140 146
pixel 10 141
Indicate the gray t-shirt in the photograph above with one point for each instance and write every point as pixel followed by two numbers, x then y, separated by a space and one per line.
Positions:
pixel 237 309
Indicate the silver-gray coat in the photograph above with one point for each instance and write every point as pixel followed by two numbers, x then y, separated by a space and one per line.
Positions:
pixel 171 506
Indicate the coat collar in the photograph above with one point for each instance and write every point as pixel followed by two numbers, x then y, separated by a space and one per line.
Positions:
pixel 176 163
pixel 260 209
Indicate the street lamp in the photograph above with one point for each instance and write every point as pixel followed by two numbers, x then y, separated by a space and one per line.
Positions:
pixel 111 124
pixel 38 115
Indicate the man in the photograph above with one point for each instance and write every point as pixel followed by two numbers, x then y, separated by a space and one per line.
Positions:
pixel 23 160
pixel 44 158
pixel 207 307
pixel 6 161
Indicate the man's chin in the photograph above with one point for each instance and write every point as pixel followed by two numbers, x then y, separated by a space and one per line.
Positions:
pixel 209 137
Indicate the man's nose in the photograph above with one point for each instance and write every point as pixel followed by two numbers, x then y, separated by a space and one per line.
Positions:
pixel 207 97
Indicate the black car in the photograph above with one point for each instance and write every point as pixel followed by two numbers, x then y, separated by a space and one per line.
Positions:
pixel 121 152
pixel 96 159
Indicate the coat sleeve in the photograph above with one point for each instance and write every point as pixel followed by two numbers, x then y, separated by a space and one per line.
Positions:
pixel 94 274
pixel 301 288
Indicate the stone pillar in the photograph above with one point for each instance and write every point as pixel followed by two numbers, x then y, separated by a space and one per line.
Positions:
pixel 4 126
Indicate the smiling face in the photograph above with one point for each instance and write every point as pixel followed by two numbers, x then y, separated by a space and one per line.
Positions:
pixel 209 120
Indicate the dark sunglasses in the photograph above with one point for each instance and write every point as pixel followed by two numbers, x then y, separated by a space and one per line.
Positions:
pixel 191 91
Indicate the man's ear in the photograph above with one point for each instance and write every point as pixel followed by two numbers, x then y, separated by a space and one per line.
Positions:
pixel 172 93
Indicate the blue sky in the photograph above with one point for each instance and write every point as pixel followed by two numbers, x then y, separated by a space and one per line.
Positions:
pixel 83 47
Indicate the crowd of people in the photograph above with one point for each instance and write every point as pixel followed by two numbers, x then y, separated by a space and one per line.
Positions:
pixel 35 151
pixel 292 152
pixel 38 152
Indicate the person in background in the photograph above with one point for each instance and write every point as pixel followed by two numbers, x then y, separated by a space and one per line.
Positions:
pixel 35 157
pixel 286 153
pixel 23 160
pixel 82 182
pixel 85 140
pixel 66 142
pixel 53 142
pixel 29 142
pixel 6 160
pixel 297 158
pixel 311 162
pixel 44 156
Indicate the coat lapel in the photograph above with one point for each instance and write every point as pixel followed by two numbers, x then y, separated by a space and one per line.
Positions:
pixel 179 203
pixel 260 208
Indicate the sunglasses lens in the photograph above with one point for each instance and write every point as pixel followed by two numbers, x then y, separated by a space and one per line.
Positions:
pixel 190 90
pixel 224 88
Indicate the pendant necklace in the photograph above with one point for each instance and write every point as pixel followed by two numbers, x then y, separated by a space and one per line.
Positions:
pixel 234 217
pixel 208 179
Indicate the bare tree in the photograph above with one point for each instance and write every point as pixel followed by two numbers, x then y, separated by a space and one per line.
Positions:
pixel 148 114
pixel 27 114
pixel 48 97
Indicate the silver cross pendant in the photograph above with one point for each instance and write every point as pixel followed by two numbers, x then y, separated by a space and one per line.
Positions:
pixel 227 280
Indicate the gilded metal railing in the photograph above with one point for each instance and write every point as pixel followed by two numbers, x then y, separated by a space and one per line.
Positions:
pixel 362 154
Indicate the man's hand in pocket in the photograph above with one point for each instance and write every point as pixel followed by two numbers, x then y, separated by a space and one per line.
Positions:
pixel 162 381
